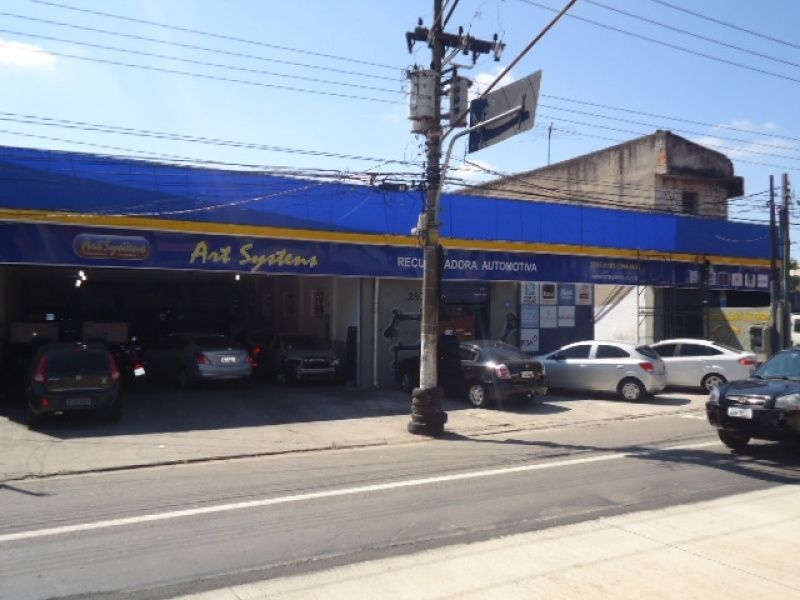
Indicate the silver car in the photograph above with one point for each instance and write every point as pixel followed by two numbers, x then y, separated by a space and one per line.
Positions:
pixel 704 364
pixel 631 371
pixel 188 358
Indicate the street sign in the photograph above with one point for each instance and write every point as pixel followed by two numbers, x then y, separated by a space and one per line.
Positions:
pixel 523 93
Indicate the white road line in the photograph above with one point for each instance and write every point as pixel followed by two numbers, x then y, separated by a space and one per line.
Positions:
pixel 365 489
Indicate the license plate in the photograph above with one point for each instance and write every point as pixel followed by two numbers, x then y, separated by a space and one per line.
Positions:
pixel 741 413
pixel 138 371
pixel 227 360
pixel 79 402
pixel 527 374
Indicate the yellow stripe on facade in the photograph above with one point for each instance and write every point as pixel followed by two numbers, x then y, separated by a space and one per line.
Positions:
pixel 316 235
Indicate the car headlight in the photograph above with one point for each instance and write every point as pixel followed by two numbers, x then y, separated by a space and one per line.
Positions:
pixel 713 397
pixel 788 401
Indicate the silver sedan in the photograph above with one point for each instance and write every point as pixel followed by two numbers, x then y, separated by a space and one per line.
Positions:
pixel 703 364
pixel 631 371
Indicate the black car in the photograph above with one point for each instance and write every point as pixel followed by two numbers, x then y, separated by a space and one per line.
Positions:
pixel 495 371
pixel 766 406
pixel 484 371
pixel 448 366
pixel 72 377
pixel 295 357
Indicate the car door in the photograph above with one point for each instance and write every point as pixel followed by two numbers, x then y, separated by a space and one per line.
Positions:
pixel 608 366
pixel 690 365
pixel 567 368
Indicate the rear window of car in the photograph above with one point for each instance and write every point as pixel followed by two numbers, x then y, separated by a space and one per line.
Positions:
pixel 647 351
pixel 697 350
pixel 605 351
pixel 207 342
pixel 81 361
pixel 502 353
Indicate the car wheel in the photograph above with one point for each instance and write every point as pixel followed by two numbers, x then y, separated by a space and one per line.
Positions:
pixel 284 376
pixel 407 382
pixel 479 395
pixel 34 420
pixel 711 381
pixel 631 389
pixel 733 439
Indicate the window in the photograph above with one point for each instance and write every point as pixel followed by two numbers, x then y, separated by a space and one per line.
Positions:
pixel 689 204
pixel 468 353
pixel 580 351
pixel 665 350
pixel 696 350
pixel 604 351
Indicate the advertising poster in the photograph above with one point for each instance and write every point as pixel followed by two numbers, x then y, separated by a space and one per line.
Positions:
pixel 566 316
pixel 584 294
pixel 548 294
pixel 548 317
pixel 529 340
pixel 763 280
pixel 529 317
pixel 736 280
pixel 750 280
pixel 529 293
pixel 566 294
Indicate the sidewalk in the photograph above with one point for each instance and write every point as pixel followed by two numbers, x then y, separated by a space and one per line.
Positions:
pixel 736 547
pixel 171 427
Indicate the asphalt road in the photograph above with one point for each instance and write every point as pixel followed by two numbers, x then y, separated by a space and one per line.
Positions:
pixel 161 532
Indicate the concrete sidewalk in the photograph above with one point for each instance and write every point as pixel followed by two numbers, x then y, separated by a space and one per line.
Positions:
pixel 170 427
pixel 740 546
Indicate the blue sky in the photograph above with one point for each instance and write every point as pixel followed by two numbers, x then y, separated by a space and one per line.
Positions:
pixel 599 87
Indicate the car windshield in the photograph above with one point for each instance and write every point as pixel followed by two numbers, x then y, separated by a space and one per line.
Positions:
pixel 501 352
pixel 207 342
pixel 784 365
pixel 304 342
pixel 647 351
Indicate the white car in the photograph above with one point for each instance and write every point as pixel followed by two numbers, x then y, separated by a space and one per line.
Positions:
pixel 631 371
pixel 704 364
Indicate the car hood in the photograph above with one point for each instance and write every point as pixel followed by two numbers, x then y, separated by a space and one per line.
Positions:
pixel 761 387
pixel 300 353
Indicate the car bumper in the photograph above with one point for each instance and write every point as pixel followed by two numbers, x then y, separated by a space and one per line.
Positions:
pixel 305 374
pixel 50 403
pixel 655 383
pixel 764 423
pixel 221 373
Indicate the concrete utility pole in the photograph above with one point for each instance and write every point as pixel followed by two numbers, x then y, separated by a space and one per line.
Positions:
pixel 427 415
pixel 786 338
pixel 773 273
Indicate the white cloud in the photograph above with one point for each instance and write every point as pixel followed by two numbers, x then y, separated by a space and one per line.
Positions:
pixel 474 171
pixel 483 80
pixel 748 125
pixel 26 56
pixel 757 147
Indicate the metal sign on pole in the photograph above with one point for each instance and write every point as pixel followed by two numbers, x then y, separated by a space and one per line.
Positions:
pixel 523 93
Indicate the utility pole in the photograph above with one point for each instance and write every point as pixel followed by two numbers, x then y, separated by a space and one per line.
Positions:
pixel 773 272
pixel 427 415
pixel 785 265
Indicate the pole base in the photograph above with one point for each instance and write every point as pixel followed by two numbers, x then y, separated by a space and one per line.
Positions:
pixel 427 416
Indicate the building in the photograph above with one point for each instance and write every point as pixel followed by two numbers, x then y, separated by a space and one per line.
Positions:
pixel 662 173
pixel 159 247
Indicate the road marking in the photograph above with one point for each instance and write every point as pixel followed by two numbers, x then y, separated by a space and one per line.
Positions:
pixel 364 489
pixel 693 417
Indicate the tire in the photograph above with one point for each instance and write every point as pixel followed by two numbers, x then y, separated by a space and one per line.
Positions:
pixel 478 396
pixel 711 381
pixel 631 390
pixel 407 382
pixel 34 420
pixel 285 376
pixel 733 439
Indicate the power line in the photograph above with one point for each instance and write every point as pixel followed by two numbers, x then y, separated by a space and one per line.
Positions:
pixel 212 34
pixel 196 47
pixel 661 43
pixel 726 24
pixel 216 77
pixel 147 133
pixel 690 33
pixel 197 62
